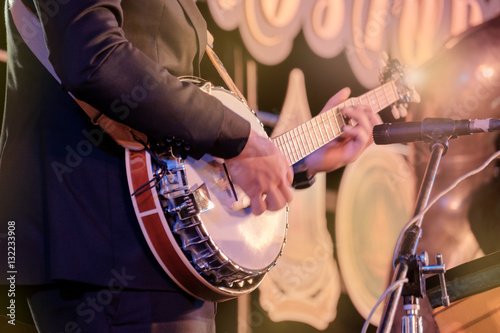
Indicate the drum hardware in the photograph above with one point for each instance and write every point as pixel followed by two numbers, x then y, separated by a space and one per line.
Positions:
pixel 408 265
pixel 466 280
pixel 418 268
pixel 474 292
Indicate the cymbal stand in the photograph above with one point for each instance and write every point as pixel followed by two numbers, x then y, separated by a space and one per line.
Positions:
pixel 408 264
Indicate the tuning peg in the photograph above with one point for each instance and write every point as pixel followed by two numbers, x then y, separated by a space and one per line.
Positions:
pixel 395 112
pixel 403 111
pixel 399 111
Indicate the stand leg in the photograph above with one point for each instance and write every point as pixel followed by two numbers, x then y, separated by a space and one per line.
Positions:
pixel 412 322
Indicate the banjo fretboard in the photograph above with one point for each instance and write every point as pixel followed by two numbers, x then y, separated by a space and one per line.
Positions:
pixel 327 126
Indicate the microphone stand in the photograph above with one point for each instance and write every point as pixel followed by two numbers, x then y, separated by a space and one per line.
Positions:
pixel 408 264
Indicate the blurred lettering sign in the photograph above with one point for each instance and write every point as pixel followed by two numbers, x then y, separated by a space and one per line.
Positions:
pixel 408 30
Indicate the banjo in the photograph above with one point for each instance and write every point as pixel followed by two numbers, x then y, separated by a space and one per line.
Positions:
pixel 197 222
pixel 194 219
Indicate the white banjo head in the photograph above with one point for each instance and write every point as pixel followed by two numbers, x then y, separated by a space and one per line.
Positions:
pixel 252 242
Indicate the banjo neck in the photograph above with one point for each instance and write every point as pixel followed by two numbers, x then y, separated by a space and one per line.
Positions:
pixel 327 126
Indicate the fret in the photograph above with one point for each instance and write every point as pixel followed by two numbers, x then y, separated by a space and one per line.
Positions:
pixel 309 124
pixel 331 125
pixel 381 98
pixel 366 102
pixel 385 99
pixel 318 124
pixel 277 143
pixel 355 101
pixel 284 147
pixel 292 146
pixel 325 127
pixel 374 100
pixel 335 113
pixel 378 101
pixel 298 141
pixel 305 137
pixel 389 96
pixel 287 146
pixel 392 88
pixel 308 135
pixel 315 133
pixel 314 125
pixel 305 141
pixel 321 129
pixel 307 145
pixel 342 120
pixel 369 101
pixel 375 95
pixel 385 94
pixel 289 142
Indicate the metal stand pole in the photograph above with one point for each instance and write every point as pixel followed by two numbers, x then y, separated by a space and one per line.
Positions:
pixel 412 321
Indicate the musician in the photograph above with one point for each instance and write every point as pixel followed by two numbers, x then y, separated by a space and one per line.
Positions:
pixel 63 183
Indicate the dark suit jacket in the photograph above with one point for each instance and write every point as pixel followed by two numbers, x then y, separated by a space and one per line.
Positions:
pixel 62 182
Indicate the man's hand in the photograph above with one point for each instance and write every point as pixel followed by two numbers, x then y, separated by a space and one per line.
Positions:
pixel 263 173
pixel 346 148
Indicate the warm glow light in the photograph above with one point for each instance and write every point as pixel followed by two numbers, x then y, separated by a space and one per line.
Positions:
pixel 415 77
pixel 454 204
pixel 486 71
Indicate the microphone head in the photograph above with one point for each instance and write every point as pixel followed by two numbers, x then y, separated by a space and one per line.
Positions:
pixel 380 134
pixel 399 132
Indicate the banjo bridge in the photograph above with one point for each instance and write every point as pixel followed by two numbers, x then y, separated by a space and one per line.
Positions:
pixel 193 203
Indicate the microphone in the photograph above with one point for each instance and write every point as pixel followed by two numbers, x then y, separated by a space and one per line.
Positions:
pixel 431 128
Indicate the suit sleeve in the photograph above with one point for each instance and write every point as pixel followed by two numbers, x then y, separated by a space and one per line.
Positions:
pixel 97 64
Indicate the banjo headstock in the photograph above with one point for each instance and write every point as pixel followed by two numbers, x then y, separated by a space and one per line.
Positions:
pixel 394 71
